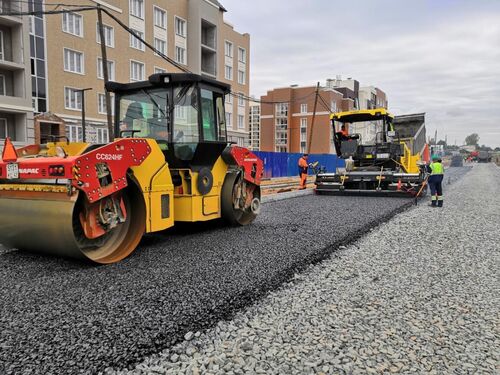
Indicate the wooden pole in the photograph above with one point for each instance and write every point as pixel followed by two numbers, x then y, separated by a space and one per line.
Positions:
pixel 105 74
pixel 313 120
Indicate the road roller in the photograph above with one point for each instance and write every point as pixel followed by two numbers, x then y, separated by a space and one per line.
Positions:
pixel 171 162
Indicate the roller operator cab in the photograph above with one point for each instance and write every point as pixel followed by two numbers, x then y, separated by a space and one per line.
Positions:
pixel 380 155
pixel 171 162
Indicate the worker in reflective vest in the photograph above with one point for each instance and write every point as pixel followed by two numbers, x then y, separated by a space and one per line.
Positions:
pixel 303 166
pixel 435 181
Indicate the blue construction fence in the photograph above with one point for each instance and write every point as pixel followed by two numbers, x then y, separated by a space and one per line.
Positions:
pixel 283 164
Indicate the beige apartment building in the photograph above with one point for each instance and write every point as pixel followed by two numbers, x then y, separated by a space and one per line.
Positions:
pixel 191 32
pixel 16 113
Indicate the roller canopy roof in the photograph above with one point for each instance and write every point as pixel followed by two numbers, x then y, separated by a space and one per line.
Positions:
pixel 361 115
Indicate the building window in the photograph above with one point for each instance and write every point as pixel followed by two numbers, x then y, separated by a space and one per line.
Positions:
pixel 303 129
pixel 229 99
pixel 135 42
pixel 241 77
pixel 1 46
pixel 228 72
pixel 281 110
pixel 2 85
pixel 3 128
pixel 137 8
pixel 111 69
pixel 180 27
pixel 242 55
pixel 160 47
pixel 160 70
pixel 102 135
pixel 228 49
pixel 160 17
pixel 333 106
pixel 180 55
pixel 241 122
pixel 229 117
pixel 73 61
pixel 72 98
pixel 303 108
pixel 109 35
pixel 72 24
pixel 101 104
pixel 241 100
pixel 136 71
pixel 74 133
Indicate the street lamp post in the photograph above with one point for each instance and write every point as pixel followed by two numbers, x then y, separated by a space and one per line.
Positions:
pixel 82 93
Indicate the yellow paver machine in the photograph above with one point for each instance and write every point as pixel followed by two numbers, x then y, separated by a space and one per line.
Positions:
pixel 383 154
pixel 171 163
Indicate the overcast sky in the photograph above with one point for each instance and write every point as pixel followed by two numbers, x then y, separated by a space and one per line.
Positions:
pixel 441 57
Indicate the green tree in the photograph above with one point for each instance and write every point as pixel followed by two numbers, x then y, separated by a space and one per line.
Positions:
pixel 472 139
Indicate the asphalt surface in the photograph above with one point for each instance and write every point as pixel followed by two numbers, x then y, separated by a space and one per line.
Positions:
pixel 63 317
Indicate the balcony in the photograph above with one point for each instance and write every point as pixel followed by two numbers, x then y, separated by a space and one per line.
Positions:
pixel 208 49
pixel 10 6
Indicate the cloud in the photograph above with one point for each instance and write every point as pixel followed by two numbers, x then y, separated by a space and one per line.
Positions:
pixel 439 57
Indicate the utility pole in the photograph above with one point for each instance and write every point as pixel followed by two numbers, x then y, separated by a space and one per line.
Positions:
pixel 84 128
pixel 313 119
pixel 105 73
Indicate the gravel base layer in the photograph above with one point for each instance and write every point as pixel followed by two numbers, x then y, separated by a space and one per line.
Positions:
pixel 63 317
pixel 419 294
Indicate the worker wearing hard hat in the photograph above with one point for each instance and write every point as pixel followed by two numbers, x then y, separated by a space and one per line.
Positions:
pixel 303 166
pixel 435 181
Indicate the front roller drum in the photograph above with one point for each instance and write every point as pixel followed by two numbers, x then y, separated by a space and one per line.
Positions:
pixel 240 200
pixel 51 223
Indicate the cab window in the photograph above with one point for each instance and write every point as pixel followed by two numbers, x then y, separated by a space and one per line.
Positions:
pixel 209 124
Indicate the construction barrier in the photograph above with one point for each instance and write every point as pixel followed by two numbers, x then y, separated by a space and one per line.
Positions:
pixel 282 164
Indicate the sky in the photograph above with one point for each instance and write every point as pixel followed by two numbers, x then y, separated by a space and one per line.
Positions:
pixel 441 57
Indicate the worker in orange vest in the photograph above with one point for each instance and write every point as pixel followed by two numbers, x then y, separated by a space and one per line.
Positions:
pixel 344 134
pixel 303 166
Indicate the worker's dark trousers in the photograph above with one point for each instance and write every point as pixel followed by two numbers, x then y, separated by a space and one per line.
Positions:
pixel 436 186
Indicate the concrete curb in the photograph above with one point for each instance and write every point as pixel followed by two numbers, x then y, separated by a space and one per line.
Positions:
pixel 288 195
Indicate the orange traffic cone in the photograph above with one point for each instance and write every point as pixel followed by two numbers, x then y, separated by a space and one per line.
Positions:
pixel 9 153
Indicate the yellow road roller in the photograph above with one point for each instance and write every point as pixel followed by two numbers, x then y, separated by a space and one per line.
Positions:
pixel 172 162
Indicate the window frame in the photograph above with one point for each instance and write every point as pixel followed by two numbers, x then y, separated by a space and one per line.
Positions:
pixel 111 76
pixel 244 55
pixel 143 71
pixel 81 35
pixel 158 70
pixel 131 8
pixel 75 91
pixel 98 36
pixel 230 69
pixel 230 44
pixel 303 108
pixel 184 22
pixel 165 23
pixel 141 46
pixel 164 52
pixel 242 81
pixel 82 61
pixel 241 117
pixel 103 95
pixel 184 55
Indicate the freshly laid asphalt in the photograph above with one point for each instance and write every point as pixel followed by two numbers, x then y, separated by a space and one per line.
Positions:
pixel 63 317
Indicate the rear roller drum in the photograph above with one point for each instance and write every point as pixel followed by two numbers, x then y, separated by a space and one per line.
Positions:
pixel 240 200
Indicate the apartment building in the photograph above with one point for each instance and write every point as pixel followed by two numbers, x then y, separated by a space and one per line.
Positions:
pixel 286 125
pixel 254 126
pixel 191 32
pixel 16 113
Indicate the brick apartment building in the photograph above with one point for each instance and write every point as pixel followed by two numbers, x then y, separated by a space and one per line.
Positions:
pixel 287 113
pixel 65 55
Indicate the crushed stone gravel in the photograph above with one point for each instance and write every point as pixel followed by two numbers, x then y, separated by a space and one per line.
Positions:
pixel 63 317
pixel 419 294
